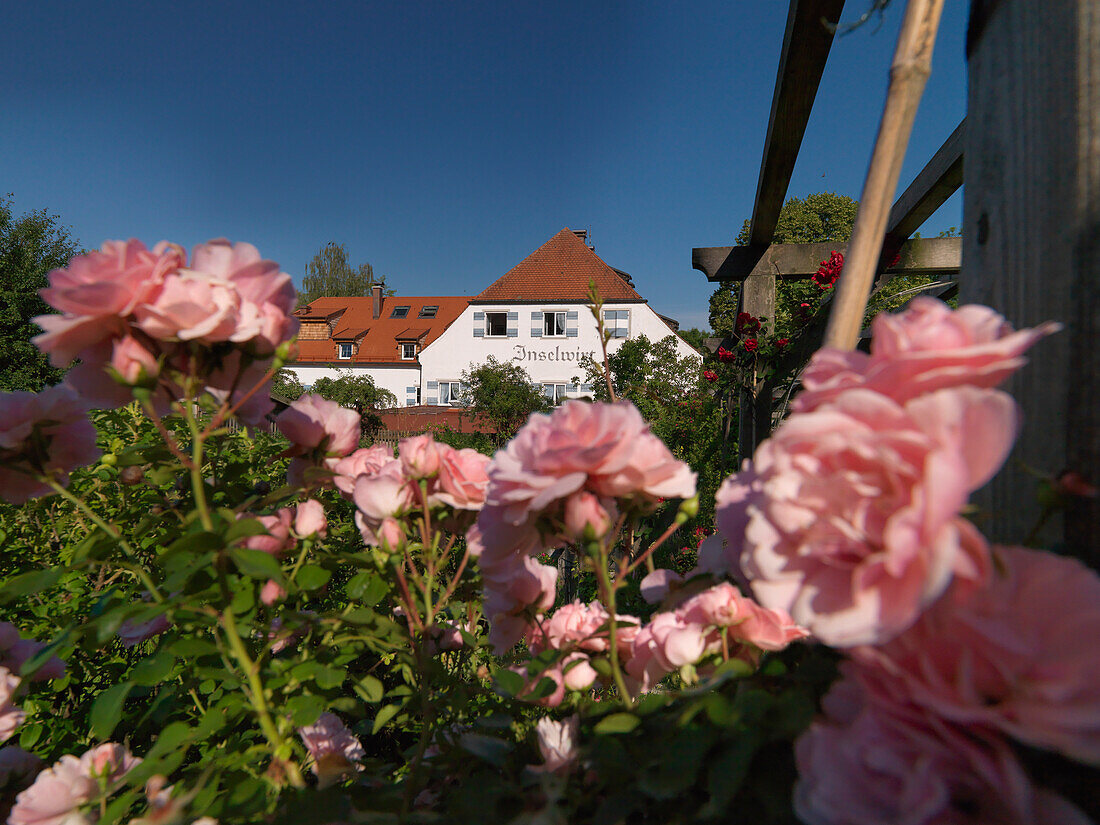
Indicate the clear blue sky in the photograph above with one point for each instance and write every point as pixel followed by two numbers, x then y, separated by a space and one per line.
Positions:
pixel 440 141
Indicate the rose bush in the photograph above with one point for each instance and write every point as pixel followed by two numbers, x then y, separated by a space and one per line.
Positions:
pixel 212 624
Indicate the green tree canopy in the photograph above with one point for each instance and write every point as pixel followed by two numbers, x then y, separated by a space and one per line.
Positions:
pixel 330 274
pixel 286 386
pixel 503 394
pixel 30 246
pixel 818 218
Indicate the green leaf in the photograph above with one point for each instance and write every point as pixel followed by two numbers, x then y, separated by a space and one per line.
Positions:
pixel 257 564
pixel 107 709
pixel 29 735
pixel 328 678
pixel 493 751
pixel 510 682
pixel 312 577
pixel 192 648
pixel 195 542
pixel 154 669
pixel 617 723
pixel 305 709
pixel 384 715
pixel 28 583
pixel 372 689
pixel 243 528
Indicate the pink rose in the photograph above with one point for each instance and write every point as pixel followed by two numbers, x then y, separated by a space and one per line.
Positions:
pixel 463 478
pixel 586 518
pixel 419 456
pixel 364 461
pixel 133 362
pixel 109 762
pixel 384 495
pixel 97 291
pixel 279 538
pixel 309 519
pixel 55 796
pixel 848 516
pixel 334 749
pixel 315 424
pixel 11 715
pixel 926 348
pixel 271 593
pixel 1018 656
pixel 46 433
pixel 131 634
pixel 558 744
pixel 15 651
pixel 657 584
pixel 666 644
pixel 877 766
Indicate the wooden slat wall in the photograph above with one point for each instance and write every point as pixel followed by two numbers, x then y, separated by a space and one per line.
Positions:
pixel 1031 238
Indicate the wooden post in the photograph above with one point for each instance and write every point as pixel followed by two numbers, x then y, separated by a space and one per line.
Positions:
pixel 1031 240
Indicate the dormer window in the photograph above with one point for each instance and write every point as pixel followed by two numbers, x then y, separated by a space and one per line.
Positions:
pixel 428 312
pixel 408 352
pixel 400 312
pixel 345 350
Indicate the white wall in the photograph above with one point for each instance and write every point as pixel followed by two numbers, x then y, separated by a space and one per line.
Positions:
pixel 546 359
pixel 397 378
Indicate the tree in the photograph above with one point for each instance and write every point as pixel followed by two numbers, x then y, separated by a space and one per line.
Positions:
pixel 503 394
pixel 819 218
pixel 30 247
pixel 286 386
pixel 694 337
pixel 330 274
pixel 359 393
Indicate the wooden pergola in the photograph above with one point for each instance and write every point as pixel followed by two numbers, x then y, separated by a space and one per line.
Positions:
pixel 1031 227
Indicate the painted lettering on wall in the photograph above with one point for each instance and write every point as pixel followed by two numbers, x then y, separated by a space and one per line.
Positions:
pixel 523 353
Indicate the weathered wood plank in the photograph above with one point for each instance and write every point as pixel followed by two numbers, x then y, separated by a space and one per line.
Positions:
pixel 806 45
pixel 934 184
pixel 1031 242
pixel 923 256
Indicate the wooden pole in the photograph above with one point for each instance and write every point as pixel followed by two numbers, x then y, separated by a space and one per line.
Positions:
pixel 908 74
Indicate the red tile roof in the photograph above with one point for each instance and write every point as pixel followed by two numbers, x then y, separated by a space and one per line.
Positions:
pixel 560 270
pixel 379 341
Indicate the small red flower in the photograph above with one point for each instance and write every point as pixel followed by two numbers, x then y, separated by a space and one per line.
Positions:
pixel 725 355
pixel 829 271
pixel 782 342
pixel 710 375
pixel 746 323
pixel 751 345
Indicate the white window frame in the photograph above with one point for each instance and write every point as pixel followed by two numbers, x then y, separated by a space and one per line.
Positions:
pixel 550 318
pixel 488 325
pixel 617 323
pixel 554 396
pixel 453 399
pixel 340 350
pixel 405 357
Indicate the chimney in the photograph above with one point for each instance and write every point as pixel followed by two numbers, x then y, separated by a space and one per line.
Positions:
pixel 376 293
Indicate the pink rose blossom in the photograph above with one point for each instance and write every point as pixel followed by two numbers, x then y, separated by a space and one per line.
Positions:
pixel 15 651
pixel 386 495
pixel 133 362
pixel 131 634
pixel 869 765
pixel 927 347
pixel 59 791
pixel 271 593
pixel 656 586
pixel 97 291
pixel 334 749
pixel 848 516
pixel 109 761
pixel 279 538
pixel 558 744
pixel 11 715
pixel 309 519
pixel 1017 656
pixel 363 462
pixel 419 456
pixel 586 517
pixel 665 644
pixel 46 433
pixel 314 424
pixel 463 478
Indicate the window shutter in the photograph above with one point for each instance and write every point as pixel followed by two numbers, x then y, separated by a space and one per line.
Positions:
pixel 571 332
pixel 586 388
pixel 571 315
pixel 513 316
pixel 513 332
pixel 536 317
pixel 620 332
pixel 433 385
pixel 571 388
pixel 479 316
pixel 479 324
pixel 536 330
pixel 479 332
pixel 432 401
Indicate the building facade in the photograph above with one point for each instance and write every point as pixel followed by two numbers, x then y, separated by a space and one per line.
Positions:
pixel 536 315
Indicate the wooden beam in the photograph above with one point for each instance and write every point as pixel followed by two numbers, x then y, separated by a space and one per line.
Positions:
pixel 806 45
pixel 925 256
pixel 934 184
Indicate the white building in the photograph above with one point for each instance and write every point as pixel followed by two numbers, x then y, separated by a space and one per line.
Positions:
pixel 536 315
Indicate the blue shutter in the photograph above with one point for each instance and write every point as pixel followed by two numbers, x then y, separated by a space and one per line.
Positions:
pixel 586 388
pixel 619 332
pixel 536 324
pixel 479 324
pixel 513 332
pixel 571 316
pixel 432 401
pixel 433 385
pixel 479 332
pixel 479 316
pixel 513 316
pixel 571 332
pixel 536 332
pixel 536 317
pixel 571 388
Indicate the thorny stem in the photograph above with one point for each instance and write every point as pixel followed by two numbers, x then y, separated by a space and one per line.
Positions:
pixel 169 439
pixel 138 569
pixel 607 588
pixel 198 483
pixel 649 552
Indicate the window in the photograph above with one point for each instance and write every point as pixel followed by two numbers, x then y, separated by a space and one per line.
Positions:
pixel 553 324
pixel 555 393
pixel 345 350
pixel 496 324
pixel 617 322
pixel 428 312
pixel 450 392
pixel 399 312
pixel 408 352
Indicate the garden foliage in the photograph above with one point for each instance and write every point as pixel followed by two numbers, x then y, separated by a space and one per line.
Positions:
pixel 210 623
